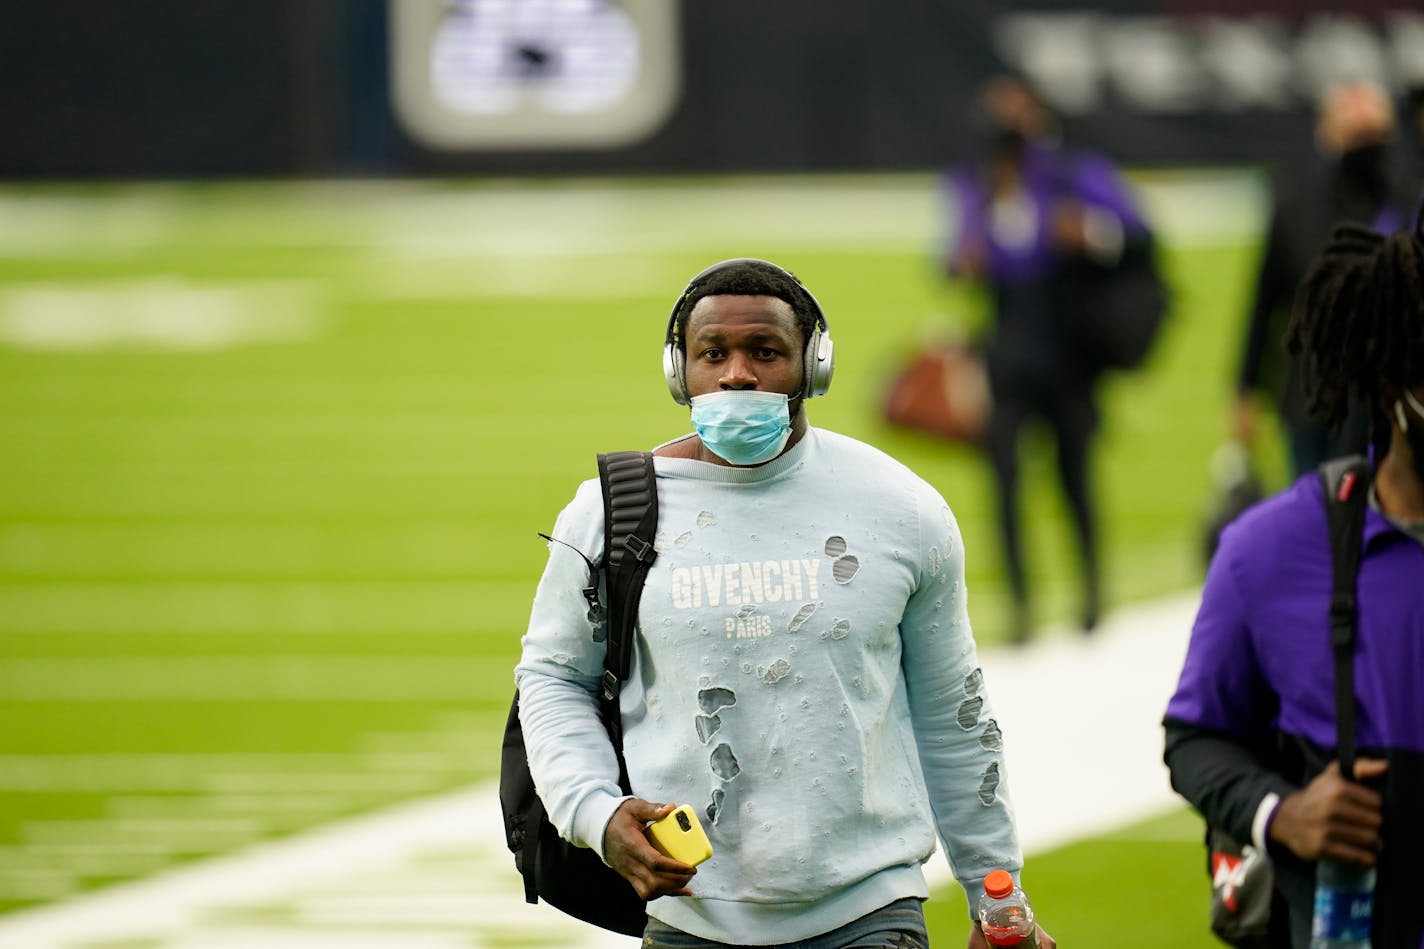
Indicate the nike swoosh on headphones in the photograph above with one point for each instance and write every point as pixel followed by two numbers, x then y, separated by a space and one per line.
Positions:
pixel 818 358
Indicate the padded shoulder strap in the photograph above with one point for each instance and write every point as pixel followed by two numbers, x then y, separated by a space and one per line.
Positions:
pixel 630 523
pixel 1346 483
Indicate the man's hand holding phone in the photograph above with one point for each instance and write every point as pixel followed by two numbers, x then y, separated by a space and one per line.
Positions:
pixel 628 847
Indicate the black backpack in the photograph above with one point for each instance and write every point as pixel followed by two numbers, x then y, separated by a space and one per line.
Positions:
pixel 568 877
pixel 1114 314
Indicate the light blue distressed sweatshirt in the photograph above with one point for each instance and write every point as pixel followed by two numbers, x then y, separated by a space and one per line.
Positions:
pixel 804 676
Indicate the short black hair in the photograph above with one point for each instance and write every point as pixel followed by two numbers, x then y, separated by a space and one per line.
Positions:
pixel 1358 323
pixel 750 278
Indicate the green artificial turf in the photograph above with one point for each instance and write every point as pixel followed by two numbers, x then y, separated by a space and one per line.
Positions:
pixel 275 457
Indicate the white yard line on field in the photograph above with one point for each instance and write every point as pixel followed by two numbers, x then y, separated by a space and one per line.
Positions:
pixel 1080 716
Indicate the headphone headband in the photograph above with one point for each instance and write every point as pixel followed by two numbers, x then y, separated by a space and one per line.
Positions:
pixel 817 359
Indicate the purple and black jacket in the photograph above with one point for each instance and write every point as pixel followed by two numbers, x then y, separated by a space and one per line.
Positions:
pixel 1254 713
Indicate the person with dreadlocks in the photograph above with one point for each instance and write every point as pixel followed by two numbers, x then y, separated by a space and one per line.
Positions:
pixel 1251 729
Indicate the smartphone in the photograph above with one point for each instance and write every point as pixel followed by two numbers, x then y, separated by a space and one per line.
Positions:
pixel 680 836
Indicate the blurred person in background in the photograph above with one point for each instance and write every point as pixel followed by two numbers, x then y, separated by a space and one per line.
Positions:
pixel 805 674
pixel 1412 125
pixel 1022 217
pixel 1251 730
pixel 1350 179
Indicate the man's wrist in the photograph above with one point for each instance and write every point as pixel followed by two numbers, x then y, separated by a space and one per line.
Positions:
pixel 591 821
pixel 1261 823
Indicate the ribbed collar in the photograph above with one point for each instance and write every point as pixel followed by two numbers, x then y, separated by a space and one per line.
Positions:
pixel 707 471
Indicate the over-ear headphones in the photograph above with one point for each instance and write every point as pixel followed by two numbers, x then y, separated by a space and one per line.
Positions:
pixel 818 358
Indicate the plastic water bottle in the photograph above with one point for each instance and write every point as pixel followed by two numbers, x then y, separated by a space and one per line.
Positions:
pixel 1344 906
pixel 1005 914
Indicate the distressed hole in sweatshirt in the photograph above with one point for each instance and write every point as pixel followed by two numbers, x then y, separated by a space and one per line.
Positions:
pixel 992 739
pixel 844 569
pixel 774 673
pixel 724 763
pixel 707 726
pixel 969 711
pixel 802 615
pixel 835 545
pixel 714 807
pixel 989 784
pixel 974 682
pixel 712 700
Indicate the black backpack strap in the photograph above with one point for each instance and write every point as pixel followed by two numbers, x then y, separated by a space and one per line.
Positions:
pixel 630 524
pixel 1346 483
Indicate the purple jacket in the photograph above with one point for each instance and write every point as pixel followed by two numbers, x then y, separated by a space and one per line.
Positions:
pixel 1260 648
pixel 1254 710
pixel 1050 174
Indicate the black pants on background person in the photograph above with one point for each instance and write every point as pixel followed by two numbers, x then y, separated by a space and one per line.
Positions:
pixel 1067 408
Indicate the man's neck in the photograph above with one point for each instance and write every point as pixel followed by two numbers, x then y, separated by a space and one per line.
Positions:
pixel 1397 484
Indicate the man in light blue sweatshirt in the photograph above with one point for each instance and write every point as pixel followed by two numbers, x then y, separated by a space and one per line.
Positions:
pixel 804 671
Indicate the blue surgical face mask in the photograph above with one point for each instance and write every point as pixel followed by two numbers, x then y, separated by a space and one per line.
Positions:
pixel 742 426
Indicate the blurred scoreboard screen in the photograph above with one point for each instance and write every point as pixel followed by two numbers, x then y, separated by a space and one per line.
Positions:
pixel 533 74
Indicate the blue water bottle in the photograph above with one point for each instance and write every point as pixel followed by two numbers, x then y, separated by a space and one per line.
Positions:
pixel 1344 906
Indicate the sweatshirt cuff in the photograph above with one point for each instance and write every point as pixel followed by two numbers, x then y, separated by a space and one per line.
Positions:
pixel 591 820
pixel 974 891
pixel 1264 812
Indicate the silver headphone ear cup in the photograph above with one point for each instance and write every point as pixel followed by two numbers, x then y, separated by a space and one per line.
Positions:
pixel 825 358
pixel 808 364
pixel 818 365
pixel 673 373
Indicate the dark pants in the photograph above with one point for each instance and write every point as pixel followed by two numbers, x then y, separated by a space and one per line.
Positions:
pixel 900 925
pixel 1068 409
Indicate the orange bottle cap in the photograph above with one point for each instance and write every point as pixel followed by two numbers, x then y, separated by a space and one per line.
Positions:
pixel 998 884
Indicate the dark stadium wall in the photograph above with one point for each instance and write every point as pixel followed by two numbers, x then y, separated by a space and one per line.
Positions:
pixel 342 87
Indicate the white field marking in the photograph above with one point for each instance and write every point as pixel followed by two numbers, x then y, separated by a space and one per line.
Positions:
pixel 324 782
pixel 110 679
pixel 563 220
pixel 152 772
pixel 166 312
pixel 207 903
pixel 35 883
pixel 891 213
pixel 91 859
pixel 186 835
pixel 1080 718
pixel 262 805
pixel 1194 209
pixel 603 247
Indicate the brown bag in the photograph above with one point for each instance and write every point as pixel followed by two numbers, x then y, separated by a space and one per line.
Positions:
pixel 943 390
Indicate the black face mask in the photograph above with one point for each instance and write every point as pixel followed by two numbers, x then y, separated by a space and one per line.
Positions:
pixel 1367 165
pixel 1007 142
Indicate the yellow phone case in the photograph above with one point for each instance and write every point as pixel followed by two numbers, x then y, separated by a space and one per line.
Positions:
pixel 680 836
